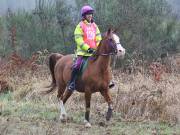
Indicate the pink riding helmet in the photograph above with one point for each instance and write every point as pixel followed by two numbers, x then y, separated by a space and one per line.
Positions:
pixel 86 9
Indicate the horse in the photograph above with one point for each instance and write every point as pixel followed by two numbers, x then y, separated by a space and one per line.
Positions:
pixel 95 78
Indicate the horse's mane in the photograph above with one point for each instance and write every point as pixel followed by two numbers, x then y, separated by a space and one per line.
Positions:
pixel 95 55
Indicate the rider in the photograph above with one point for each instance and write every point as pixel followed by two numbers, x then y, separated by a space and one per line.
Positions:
pixel 87 37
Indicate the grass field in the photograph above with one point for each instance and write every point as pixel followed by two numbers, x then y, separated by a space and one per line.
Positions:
pixel 144 104
pixel 41 117
pixel 142 107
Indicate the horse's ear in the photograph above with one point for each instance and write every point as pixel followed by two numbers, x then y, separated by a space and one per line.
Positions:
pixel 109 31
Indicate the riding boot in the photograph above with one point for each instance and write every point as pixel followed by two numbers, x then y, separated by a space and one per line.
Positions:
pixel 111 84
pixel 71 85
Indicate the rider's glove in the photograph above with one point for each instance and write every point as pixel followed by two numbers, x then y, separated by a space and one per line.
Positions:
pixel 90 50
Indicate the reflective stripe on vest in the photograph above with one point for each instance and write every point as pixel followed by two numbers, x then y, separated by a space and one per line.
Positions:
pixel 89 35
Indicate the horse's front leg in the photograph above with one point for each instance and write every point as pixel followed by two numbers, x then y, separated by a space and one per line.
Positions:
pixel 87 104
pixel 107 96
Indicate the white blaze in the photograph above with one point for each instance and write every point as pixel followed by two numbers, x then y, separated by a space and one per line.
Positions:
pixel 120 49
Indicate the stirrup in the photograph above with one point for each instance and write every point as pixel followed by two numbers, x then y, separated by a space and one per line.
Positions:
pixel 71 86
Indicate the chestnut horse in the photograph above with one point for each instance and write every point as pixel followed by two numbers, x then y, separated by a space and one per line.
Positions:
pixel 95 78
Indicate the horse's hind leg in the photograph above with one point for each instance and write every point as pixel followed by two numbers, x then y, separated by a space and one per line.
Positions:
pixel 63 97
pixel 63 113
pixel 61 90
pixel 107 96
pixel 66 95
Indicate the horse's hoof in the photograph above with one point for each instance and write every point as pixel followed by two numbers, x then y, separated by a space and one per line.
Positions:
pixel 87 125
pixel 109 114
pixel 63 118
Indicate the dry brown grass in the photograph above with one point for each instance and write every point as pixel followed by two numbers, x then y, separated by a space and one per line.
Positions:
pixel 136 97
pixel 141 98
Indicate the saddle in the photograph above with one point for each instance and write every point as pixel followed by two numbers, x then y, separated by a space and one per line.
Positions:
pixel 83 65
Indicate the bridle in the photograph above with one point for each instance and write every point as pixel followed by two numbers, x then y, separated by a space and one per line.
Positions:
pixel 112 52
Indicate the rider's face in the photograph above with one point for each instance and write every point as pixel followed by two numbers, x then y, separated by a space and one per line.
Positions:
pixel 89 17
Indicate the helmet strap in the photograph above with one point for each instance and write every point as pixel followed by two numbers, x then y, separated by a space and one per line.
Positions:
pixel 84 18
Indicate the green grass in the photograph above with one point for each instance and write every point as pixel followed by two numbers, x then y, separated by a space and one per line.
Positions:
pixel 43 112
pixel 26 109
pixel 143 128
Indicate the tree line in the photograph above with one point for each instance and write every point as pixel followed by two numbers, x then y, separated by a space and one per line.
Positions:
pixel 147 28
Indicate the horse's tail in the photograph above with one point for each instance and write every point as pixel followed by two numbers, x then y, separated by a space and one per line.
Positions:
pixel 53 58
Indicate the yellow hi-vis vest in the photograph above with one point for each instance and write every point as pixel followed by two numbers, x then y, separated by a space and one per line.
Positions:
pixel 86 35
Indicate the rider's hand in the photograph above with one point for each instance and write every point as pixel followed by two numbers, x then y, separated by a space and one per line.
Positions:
pixel 90 50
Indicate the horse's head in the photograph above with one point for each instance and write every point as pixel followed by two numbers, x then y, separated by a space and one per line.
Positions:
pixel 110 45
